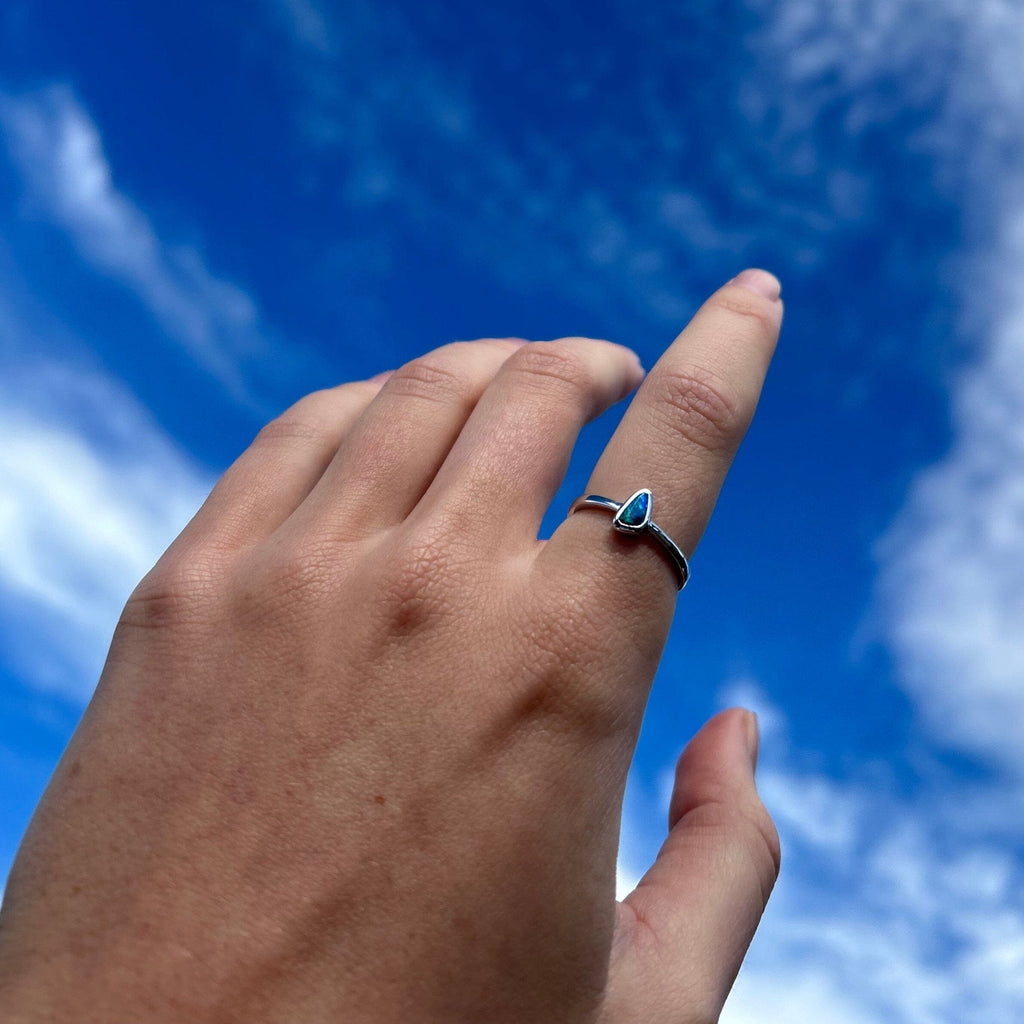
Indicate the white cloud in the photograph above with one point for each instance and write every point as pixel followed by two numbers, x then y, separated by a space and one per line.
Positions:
pixel 91 491
pixel 910 910
pixel 810 997
pixel 951 589
pixel 904 915
pixel 745 692
pixel 951 595
pixel 59 153
pixel 806 806
pixel 952 584
pixel 85 510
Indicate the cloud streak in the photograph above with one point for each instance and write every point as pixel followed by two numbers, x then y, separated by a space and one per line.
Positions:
pixel 67 180
pixel 952 581
pixel 91 492
pixel 418 143
pixel 904 915
pixel 909 909
pixel 950 596
pixel 890 909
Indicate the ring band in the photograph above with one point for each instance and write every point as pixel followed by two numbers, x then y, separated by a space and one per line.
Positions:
pixel 633 516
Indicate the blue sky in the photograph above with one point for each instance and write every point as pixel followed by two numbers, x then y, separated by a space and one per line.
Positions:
pixel 207 210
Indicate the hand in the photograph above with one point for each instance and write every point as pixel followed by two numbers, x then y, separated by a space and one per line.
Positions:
pixel 359 748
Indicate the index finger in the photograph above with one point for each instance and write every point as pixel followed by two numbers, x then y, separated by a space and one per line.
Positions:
pixel 678 439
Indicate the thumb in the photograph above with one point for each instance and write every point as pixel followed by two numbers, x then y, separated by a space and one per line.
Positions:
pixel 684 930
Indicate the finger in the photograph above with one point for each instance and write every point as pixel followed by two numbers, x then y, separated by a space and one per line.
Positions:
pixel 677 438
pixel 391 454
pixel 686 927
pixel 514 450
pixel 278 470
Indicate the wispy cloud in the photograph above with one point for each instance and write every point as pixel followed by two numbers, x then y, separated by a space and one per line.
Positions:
pixel 951 588
pixel 82 522
pixel 624 211
pixel 908 909
pixel 419 144
pixel 58 152
pixel 952 584
pixel 903 915
pixel 796 997
pixel 91 492
pixel 955 60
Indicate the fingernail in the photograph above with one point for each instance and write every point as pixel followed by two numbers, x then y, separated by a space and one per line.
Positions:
pixel 760 282
pixel 753 738
pixel 518 342
pixel 379 378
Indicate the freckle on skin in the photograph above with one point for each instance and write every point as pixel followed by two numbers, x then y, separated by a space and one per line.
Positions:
pixel 378 799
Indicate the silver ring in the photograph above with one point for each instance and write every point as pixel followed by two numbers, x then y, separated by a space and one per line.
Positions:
pixel 633 516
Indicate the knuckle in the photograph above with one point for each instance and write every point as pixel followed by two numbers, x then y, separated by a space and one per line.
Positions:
pixel 289 428
pixel 173 596
pixel 746 831
pixel 560 701
pixel 325 402
pixel 546 363
pixel 305 572
pixel 698 406
pixel 428 378
pixel 562 688
pixel 358 392
pixel 418 585
pixel 283 591
pixel 316 417
pixel 755 311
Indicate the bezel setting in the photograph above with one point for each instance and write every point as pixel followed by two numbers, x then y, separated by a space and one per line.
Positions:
pixel 621 520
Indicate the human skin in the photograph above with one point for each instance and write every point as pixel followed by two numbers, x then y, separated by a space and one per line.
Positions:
pixel 359 748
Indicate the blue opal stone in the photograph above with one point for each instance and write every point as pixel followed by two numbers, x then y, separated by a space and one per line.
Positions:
pixel 635 512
